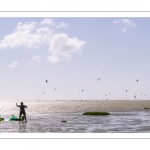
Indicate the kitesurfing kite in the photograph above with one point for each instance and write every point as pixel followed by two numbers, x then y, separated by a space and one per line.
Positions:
pixel 126 90
pixel 137 80
pixel 54 88
pixel 82 90
pixel 46 81
pixel 98 79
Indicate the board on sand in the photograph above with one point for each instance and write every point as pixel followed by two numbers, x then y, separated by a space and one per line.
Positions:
pixel 12 118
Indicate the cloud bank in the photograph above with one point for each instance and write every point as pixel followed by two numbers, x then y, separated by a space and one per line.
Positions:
pixel 32 35
pixel 28 35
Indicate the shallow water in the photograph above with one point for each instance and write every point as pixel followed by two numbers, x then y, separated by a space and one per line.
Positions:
pixel 50 122
pixel 117 122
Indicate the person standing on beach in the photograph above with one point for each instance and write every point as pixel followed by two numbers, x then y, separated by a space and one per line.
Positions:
pixel 22 110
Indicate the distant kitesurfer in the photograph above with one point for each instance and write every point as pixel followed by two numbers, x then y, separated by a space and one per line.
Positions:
pixel 22 111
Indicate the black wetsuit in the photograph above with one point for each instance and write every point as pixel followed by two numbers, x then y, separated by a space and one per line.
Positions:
pixel 22 111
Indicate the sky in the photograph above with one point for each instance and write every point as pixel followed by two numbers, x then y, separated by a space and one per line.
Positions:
pixel 81 58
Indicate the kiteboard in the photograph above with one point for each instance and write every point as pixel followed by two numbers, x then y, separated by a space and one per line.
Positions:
pixel 12 118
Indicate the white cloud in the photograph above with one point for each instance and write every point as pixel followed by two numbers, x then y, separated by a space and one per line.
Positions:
pixel 25 26
pixel 53 58
pixel 28 35
pixel 61 46
pixel 47 22
pixel 127 23
pixel 34 34
pixel 62 25
pixel 35 59
pixel 13 65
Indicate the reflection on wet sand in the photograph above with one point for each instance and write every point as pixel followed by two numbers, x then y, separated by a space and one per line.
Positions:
pixel 22 126
pixel 46 117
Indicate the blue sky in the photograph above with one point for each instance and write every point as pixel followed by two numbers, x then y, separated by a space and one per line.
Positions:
pixel 72 53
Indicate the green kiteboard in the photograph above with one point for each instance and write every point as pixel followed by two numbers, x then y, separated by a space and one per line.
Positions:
pixel 14 118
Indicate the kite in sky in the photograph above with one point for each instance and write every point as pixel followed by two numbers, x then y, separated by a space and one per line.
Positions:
pixel 82 90
pixel 126 90
pixel 98 79
pixel 137 80
pixel 46 81
pixel 54 88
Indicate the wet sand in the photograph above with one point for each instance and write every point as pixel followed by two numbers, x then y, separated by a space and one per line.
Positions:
pixel 75 106
pixel 82 106
pixel 127 116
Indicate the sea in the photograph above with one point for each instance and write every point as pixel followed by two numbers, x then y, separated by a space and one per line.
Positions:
pixel 56 117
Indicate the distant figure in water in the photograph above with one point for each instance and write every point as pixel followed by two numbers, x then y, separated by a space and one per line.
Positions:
pixel 22 111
